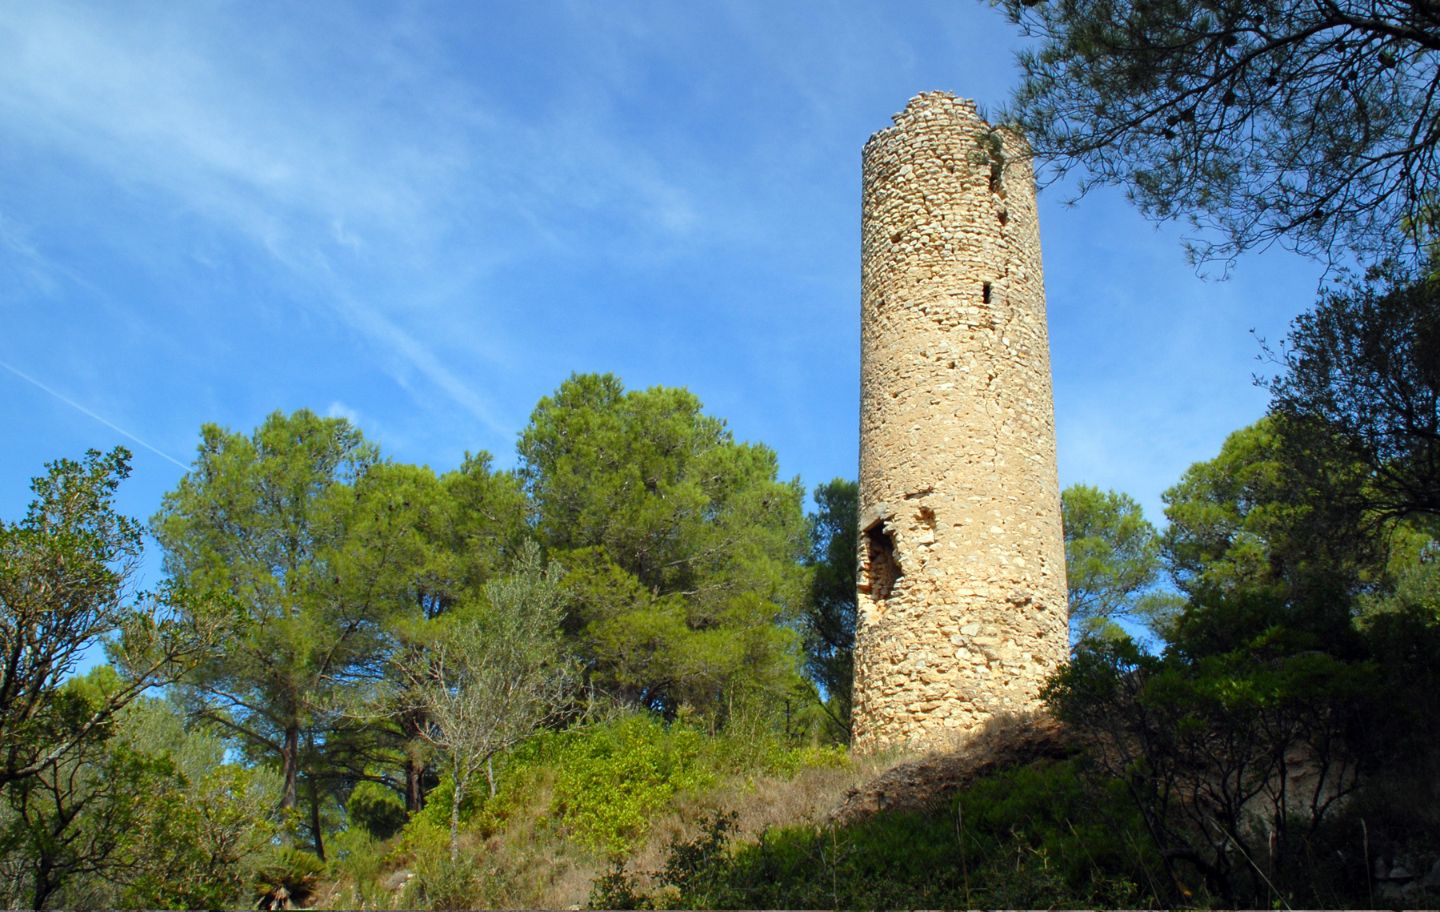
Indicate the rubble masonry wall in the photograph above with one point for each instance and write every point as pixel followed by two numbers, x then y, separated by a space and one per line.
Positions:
pixel 962 599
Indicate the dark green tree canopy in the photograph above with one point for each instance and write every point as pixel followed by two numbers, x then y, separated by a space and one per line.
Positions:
pixel 664 489
pixel 1312 124
pixel 684 549
pixel 1364 367
pixel 1260 517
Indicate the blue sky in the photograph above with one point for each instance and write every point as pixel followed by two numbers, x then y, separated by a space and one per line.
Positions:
pixel 424 216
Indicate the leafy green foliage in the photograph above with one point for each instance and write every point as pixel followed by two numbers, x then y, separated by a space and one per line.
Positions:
pixel 1253 520
pixel 1112 563
pixel 263 522
pixel 612 781
pixel 66 574
pixel 1400 627
pixel 419 547
pixel 1257 121
pixel 1363 366
pixel 488 677
pixel 684 547
pixel 1213 739
pixel 389 624
pixel 1291 695
pixel 148 816
pixel 214 829
pixel 375 809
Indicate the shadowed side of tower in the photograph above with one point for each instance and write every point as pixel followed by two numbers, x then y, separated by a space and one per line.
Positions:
pixel 962 599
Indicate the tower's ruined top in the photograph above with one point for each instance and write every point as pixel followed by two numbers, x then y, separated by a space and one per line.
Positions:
pixel 927 106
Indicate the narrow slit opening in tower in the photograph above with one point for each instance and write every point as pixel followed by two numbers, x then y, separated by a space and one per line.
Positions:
pixel 985 293
pixel 997 177
pixel 883 569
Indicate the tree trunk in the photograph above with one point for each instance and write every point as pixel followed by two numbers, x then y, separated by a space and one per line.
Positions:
pixel 411 725
pixel 317 836
pixel 455 820
pixel 45 884
pixel 414 785
pixel 289 762
pixel 490 775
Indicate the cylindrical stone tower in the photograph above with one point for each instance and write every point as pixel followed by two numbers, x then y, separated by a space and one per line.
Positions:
pixel 962 599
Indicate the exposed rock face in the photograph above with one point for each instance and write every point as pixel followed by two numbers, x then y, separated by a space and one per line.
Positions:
pixel 962 597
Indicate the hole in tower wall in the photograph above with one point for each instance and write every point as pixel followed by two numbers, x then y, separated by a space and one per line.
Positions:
pixel 997 176
pixel 882 567
pixel 985 293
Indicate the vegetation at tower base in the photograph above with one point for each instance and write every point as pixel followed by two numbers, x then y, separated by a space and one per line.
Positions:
pixel 1311 124
pixel 1274 751
pixel 1273 747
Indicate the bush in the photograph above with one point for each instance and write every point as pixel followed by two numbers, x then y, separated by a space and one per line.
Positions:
pixel 288 875
pixel 444 884
pixel 614 778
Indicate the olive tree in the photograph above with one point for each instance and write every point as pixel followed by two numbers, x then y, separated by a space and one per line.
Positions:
pixel 488 674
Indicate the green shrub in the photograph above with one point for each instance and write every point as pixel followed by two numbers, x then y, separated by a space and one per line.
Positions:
pixel 436 812
pixel 423 836
pixel 1048 833
pixel 791 760
pixel 290 873
pixel 891 861
pixel 357 863
pixel 612 779
pixel 440 883
pixel 616 889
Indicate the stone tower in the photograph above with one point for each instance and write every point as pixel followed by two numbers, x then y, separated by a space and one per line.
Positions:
pixel 962 599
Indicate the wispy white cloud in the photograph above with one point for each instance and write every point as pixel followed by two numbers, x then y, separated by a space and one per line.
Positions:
pixel 149 106
pixel 399 195
pixel 22 260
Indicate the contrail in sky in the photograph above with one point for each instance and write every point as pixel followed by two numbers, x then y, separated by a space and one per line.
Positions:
pixel 85 411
